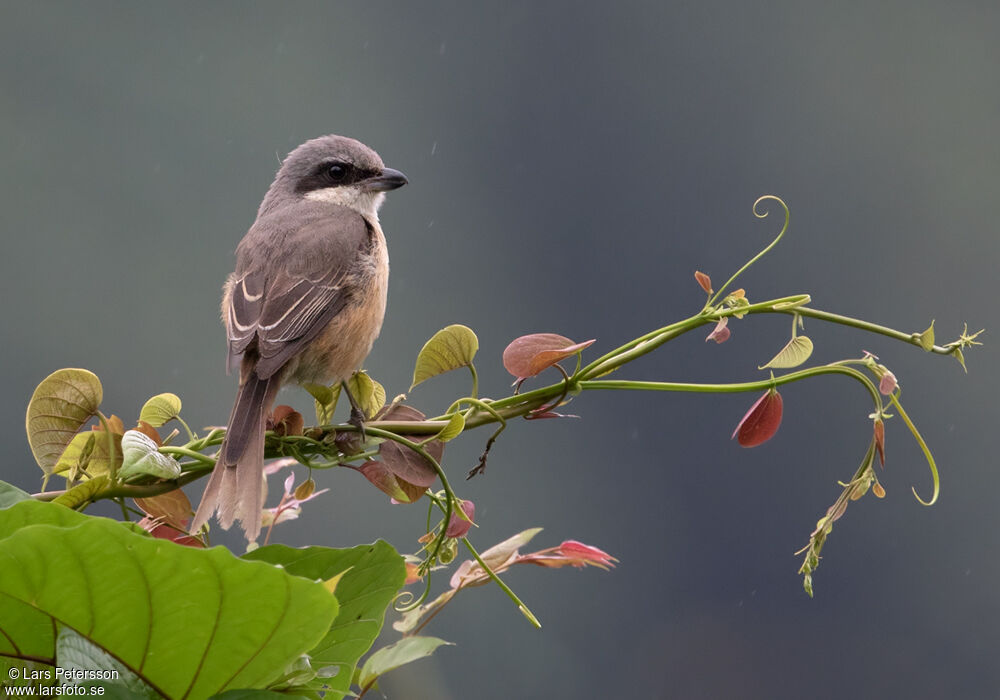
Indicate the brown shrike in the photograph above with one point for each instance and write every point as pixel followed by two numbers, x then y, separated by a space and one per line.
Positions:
pixel 304 305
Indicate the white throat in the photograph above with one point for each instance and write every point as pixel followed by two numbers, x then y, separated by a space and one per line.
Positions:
pixel 355 197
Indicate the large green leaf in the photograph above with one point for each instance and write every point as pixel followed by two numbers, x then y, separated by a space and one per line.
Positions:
pixel 60 406
pixel 187 622
pixel 374 573
pixel 10 494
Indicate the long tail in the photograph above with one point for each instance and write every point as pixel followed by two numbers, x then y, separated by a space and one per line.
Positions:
pixel 235 489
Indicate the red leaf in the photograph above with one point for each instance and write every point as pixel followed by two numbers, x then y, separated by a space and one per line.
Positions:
pixel 404 462
pixel 385 481
pixel 880 441
pixel 459 526
pixel 888 383
pixel 721 333
pixel 285 420
pixel 761 422
pixel 170 508
pixel 150 432
pixel 704 281
pixel 530 354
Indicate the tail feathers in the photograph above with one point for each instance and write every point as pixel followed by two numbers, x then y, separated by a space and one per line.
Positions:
pixel 235 491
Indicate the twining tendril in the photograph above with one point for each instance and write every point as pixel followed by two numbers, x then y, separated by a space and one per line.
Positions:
pixel 926 450
pixel 760 214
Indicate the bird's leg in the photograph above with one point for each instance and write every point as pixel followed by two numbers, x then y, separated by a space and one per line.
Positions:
pixel 357 418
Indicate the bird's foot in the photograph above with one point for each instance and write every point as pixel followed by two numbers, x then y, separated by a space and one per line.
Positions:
pixel 357 419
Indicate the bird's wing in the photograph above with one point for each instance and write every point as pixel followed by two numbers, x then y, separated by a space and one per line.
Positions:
pixel 285 301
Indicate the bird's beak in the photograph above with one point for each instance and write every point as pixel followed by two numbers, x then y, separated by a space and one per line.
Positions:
pixel 389 179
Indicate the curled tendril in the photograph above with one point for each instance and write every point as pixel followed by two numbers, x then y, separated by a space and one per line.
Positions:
pixel 760 214
pixel 935 478
pixel 538 412
pixel 405 601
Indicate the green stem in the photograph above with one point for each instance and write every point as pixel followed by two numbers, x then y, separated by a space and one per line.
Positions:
pixel 624 384
pixel 926 450
pixel 650 341
pixel 865 326
pixel 112 467
pixel 191 436
pixel 449 493
pixel 187 452
pixel 503 586
pixel 475 380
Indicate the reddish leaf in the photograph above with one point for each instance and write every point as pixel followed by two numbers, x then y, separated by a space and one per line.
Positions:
pixel 385 481
pixel 704 281
pixel 285 420
pixel 114 422
pixel 721 333
pixel 459 526
pixel 150 432
pixel 880 440
pixel 888 383
pixel 530 354
pixel 761 422
pixel 404 462
pixel 399 411
pixel 171 508
pixel 169 532
pixel 407 464
pixel 412 573
pixel 569 553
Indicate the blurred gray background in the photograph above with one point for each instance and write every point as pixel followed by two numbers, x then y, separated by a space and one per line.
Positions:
pixel 571 165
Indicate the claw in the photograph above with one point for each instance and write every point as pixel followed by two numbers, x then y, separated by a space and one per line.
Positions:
pixel 357 419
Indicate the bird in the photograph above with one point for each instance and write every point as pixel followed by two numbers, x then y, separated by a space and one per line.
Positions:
pixel 304 304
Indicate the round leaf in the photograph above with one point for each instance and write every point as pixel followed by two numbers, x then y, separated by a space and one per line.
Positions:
pixel 160 409
pixel 450 348
pixel 60 406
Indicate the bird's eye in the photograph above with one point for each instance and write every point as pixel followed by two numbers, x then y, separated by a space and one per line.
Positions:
pixel 337 171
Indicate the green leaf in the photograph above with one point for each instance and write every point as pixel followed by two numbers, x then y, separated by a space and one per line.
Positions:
pixel 140 455
pixel 9 495
pixel 88 450
pixel 957 352
pixel 187 622
pixel 389 658
pixel 454 428
pixel 372 575
pixel 450 348
pixel 926 339
pixel 369 394
pixel 795 352
pixel 326 401
pixel 60 406
pixel 77 653
pixel 161 409
pixel 83 493
pixel 251 694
